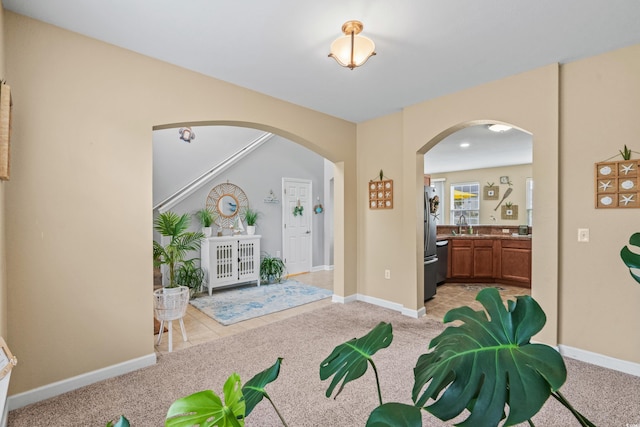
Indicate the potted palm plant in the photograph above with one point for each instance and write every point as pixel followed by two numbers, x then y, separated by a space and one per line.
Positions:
pixel 181 242
pixel 251 216
pixel 206 217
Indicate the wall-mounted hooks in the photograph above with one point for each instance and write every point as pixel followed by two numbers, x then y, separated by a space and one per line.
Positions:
pixel 318 209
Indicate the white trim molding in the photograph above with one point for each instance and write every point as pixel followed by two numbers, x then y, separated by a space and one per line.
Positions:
pixel 630 368
pixel 321 268
pixel 54 389
pixel 381 303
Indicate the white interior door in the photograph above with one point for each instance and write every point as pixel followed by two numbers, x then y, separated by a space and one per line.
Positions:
pixel 296 229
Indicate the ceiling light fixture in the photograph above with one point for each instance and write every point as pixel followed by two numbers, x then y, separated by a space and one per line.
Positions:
pixel 499 128
pixel 464 144
pixel 186 134
pixel 352 50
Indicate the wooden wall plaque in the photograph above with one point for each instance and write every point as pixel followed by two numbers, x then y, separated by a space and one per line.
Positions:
pixel 381 194
pixel 617 184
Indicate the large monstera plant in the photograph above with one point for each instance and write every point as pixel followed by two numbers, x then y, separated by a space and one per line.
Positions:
pixel 487 366
pixel 207 409
pixel 631 259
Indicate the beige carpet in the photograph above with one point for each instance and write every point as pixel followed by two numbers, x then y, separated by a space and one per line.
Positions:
pixel 608 398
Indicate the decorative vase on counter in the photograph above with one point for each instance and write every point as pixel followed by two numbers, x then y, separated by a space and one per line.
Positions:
pixel 251 230
pixel 206 231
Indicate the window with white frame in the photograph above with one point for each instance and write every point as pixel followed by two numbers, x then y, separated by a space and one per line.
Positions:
pixel 529 197
pixel 465 203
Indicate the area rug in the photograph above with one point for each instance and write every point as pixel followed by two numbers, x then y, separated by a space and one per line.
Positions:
pixel 237 304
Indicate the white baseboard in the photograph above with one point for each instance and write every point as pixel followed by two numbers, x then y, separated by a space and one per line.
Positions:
pixel 600 360
pixel 321 268
pixel 380 303
pixel 54 389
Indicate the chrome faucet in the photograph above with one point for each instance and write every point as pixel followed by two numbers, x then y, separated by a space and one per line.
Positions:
pixel 462 221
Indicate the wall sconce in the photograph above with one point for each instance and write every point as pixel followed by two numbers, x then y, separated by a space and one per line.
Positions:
pixel 352 50
pixel 186 134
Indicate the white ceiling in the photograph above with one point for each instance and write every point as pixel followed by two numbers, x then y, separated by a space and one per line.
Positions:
pixel 486 149
pixel 425 48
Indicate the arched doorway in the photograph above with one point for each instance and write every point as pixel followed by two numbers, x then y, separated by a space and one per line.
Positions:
pixel 481 176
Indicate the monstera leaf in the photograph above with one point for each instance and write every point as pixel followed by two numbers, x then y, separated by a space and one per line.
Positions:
pixel 488 364
pixel 349 360
pixel 254 391
pixel 631 259
pixel 206 409
pixel 395 415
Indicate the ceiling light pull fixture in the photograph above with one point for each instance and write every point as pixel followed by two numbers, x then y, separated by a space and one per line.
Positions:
pixel 352 50
pixel 186 134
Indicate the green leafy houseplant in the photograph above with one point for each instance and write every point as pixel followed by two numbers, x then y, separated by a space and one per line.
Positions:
pixel 121 422
pixel 206 217
pixel 486 366
pixel 174 226
pixel 207 409
pixel 631 259
pixel 271 269
pixel 191 276
pixel 625 153
pixel 483 366
pixel 251 216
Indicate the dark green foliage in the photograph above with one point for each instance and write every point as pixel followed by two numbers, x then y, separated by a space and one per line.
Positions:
pixel 349 360
pixel 488 365
pixel 271 269
pixel 191 276
pixel 122 422
pixel 395 415
pixel 631 259
pixel 169 224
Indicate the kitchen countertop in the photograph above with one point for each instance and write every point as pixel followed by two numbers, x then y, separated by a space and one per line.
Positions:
pixel 441 237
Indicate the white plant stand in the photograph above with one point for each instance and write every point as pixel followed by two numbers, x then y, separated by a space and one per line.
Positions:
pixel 231 260
pixel 171 304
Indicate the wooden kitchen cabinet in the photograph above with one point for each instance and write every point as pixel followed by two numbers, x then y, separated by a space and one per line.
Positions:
pixel 483 259
pixel 461 258
pixel 515 261
pixel 487 260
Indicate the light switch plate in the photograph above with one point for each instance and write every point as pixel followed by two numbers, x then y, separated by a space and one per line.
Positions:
pixel 583 235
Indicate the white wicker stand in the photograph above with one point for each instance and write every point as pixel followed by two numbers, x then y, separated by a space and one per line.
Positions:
pixel 231 260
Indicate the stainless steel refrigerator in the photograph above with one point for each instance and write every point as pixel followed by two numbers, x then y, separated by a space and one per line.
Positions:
pixel 430 257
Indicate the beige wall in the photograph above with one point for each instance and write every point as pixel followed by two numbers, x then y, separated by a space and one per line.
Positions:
pixel 517 175
pixel 599 301
pixel 528 101
pixel 78 206
pixel 3 257
pixel 78 301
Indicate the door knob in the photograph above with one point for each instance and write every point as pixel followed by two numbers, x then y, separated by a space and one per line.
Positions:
pixel 308 232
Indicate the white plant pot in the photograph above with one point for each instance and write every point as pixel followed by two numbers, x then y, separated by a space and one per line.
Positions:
pixel 251 230
pixel 206 231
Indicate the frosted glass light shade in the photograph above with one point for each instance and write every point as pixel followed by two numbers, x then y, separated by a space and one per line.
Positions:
pixel 363 49
pixel 352 50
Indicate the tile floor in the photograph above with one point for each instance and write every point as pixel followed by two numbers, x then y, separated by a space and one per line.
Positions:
pixel 201 328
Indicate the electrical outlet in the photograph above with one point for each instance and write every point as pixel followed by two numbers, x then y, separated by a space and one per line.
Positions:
pixel 387 274
pixel 583 235
pixel 505 230
pixel 277 254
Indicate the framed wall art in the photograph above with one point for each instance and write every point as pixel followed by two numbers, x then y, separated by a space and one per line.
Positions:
pixel 616 184
pixel 380 194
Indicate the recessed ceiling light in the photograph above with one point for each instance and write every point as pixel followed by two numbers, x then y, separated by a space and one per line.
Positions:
pixel 499 128
pixel 464 145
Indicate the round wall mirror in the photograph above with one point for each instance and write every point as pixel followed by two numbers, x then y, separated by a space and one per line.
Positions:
pixel 227 200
